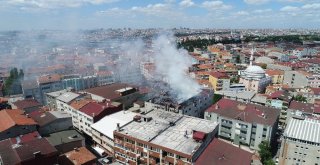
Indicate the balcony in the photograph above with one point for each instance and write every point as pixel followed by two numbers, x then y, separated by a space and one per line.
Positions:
pixel 225 130
pixel 168 159
pixel 154 154
pixel 226 124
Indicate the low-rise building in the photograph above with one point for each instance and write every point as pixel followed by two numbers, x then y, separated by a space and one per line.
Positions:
pixel 163 137
pixel 117 92
pixel 53 121
pixel 78 156
pixel 102 131
pixel 244 123
pixel 301 141
pixel 220 152
pixel 29 152
pixel 27 105
pixel 13 122
pixel 65 141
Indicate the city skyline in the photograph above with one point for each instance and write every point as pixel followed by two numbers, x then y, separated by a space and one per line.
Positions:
pixel 90 14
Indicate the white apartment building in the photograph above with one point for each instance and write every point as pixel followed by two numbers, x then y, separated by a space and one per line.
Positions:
pixel 301 142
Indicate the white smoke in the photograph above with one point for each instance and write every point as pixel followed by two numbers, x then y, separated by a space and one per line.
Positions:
pixel 173 64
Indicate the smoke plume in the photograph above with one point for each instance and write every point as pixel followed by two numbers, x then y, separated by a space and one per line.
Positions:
pixel 172 66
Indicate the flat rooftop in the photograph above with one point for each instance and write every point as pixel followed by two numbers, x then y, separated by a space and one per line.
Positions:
pixel 168 129
pixel 108 124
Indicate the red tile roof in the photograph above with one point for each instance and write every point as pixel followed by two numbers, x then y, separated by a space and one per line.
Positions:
pixel 305 107
pixel 281 94
pixel 94 108
pixel 12 117
pixel 26 150
pixel 27 103
pixel 316 91
pixel 219 152
pixel 246 112
pixel 219 75
pixel 8 155
pixel 274 72
pixel 26 137
pixel 80 156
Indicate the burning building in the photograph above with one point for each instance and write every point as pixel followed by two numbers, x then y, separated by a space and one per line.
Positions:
pixel 194 106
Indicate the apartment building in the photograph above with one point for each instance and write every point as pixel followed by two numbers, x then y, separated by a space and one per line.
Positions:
pixel 87 112
pixel 244 123
pixel 276 76
pixel 161 137
pixel 219 81
pixel 102 131
pixel 281 100
pixel 301 142
pixel 301 79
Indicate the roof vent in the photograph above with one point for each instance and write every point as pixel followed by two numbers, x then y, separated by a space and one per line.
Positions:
pixel 37 154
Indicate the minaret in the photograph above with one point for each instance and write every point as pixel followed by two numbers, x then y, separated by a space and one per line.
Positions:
pixel 251 57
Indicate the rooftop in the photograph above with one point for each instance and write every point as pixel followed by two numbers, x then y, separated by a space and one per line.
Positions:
pixel 305 107
pixel 80 156
pixel 26 150
pixel 94 108
pixel 246 112
pixel 64 137
pixel 49 78
pixel 281 95
pixel 27 103
pixel 108 91
pixel 219 75
pixel 29 84
pixel 248 95
pixel 68 97
pixel 169 130
pixel 108 124
pixel 306 130
pixel 12 117
pixel 48 117
pixel 77 104
pixel 219 152
pixel 26 137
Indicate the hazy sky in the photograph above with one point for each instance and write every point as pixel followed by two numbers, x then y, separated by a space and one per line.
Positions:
pixel 88 14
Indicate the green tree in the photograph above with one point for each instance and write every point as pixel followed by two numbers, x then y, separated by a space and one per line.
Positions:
pixel 265 153
pixel 216 98
pixel 300 98
pixel 13 81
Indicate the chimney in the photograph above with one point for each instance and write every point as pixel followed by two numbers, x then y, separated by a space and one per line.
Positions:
pixel 217 106
pixel 118 127
pixel 76 149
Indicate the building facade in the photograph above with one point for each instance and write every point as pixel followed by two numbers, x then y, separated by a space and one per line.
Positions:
pixel 219 81
pixel 301 142
pixel 161 137
pixel 244 123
